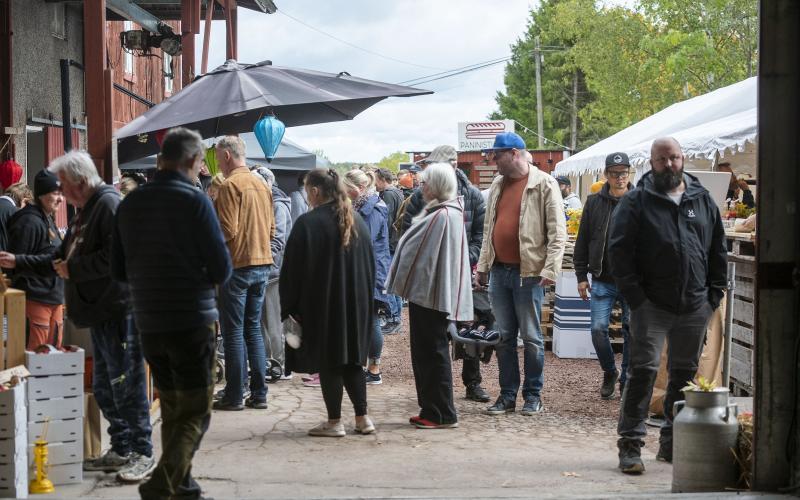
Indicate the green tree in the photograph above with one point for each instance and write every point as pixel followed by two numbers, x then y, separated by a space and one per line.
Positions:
pixel 392 161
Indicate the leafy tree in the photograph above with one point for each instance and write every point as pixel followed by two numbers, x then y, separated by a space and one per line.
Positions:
pixel 392 161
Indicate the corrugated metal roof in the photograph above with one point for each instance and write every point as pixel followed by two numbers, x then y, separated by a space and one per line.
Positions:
pixel 171 10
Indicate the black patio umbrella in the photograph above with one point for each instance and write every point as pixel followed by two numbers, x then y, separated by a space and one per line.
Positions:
pixel 233 97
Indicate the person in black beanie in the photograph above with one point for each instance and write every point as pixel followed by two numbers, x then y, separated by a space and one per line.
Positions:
pixel 33 240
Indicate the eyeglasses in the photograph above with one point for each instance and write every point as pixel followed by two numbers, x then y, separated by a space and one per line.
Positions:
pixel 618 174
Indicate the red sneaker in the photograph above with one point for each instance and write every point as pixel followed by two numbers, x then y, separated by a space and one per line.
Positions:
pixel 422 423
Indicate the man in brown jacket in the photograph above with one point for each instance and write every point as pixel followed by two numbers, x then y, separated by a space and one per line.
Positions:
pixel 523 244
pixel 244 207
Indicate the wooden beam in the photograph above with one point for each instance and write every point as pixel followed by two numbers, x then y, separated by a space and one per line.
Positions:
pixel 97 86
pixel 230 28
pixel 207 35
pixel 190 26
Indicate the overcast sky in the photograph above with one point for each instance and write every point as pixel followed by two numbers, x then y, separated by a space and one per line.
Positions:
pixel 429 36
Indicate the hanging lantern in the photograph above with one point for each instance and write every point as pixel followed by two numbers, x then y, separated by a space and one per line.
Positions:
pixel 10 173
pixel 269 132
pixel 211 160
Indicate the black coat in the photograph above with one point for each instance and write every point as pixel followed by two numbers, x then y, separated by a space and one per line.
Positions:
pixel 591 250
pixel 393 198
pixel 329 289
pixel 673 255
pixel 34 238
pixel 6 211
pixel 92 296
pixel 474 213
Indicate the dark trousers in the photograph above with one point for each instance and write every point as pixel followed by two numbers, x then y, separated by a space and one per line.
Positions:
pixel 650 326
pixel 349 377
pixel 119 385
pixel 430 360
pixel 182 363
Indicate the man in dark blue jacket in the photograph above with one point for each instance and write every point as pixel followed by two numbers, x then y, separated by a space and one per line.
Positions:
pixel 97 302
pixel 168 247
pixel 668 258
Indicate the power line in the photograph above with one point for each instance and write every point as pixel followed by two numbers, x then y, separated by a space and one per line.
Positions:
pixel 351 44
pixel 406 82
pixel 546 140
pixel 461 72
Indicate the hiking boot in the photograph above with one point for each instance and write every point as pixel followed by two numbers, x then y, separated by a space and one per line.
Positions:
pixel 630 456
pixel 111 461
pixel 327 429
pixel 664 451
pixel 391 327
pixel 256 404
pixel 220 394
pixel 501 406
pixel 609 381
pixel 138 468
pixel 223 405
pixel 532 405
pixel 477 393
pixel 373 378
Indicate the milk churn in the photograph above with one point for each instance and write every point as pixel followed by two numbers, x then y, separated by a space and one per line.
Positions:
pixel 704 437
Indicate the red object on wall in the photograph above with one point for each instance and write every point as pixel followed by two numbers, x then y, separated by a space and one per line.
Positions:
pixel 54 147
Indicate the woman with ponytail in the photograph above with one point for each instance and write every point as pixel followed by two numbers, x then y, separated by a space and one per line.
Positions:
pixel 326 285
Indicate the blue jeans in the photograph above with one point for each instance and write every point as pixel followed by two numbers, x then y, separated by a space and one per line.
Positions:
pixel 395 308
pixel 241 299
pixel 517 306
pixel 376 344
pixel 119 385
pixel 603 297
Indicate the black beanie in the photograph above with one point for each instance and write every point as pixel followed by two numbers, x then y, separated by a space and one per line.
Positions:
pixel 44 183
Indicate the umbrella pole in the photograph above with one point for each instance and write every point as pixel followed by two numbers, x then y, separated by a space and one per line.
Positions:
pixel 210 4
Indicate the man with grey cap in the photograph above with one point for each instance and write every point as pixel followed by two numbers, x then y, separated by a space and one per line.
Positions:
pixel 474 209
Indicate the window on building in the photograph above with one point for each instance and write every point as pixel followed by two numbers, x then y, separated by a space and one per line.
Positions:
pixel 128 56
pixel 169 77
pixel 58 21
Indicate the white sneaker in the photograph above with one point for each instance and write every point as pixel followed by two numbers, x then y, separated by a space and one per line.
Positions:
pixel 326 429
pixel 366 427
pixel 138 468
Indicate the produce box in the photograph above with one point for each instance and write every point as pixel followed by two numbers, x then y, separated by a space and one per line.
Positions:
pixel 55 386
pixel 55 362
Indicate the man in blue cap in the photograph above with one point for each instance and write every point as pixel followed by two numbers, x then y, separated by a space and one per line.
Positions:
pixel 523 244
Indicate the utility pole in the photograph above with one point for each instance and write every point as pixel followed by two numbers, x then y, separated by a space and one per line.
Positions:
pixel 537 54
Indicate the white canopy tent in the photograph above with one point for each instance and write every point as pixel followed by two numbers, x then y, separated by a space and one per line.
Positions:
pixel 710 127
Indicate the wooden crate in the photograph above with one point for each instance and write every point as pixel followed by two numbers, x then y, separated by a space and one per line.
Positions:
pixel 12 310
pixel 743 328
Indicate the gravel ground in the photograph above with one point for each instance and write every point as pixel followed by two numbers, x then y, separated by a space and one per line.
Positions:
pixel 570 385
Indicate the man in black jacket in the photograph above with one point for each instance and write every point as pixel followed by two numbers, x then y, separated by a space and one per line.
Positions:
pixel 168 247
pixel 393 198
pixel 668 257
pixel 474 211
pixel 591 256
pixel 94 300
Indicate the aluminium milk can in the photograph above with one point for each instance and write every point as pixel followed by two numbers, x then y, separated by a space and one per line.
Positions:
pixel 704 436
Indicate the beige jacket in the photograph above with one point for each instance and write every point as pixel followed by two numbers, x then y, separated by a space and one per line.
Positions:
pixel 244 207
pixel 542 227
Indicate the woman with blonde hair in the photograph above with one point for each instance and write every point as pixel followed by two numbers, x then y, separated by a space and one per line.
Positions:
pixel 368 204
pixel 213 187
pixel 431 269
pixel 326 285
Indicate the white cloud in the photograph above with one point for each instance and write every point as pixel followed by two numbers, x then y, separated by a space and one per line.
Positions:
pixel 440 34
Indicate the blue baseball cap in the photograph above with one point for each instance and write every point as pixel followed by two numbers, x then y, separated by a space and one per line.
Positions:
pixel 507 140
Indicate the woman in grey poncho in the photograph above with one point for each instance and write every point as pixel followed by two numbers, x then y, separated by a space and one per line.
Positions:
pixel 431 269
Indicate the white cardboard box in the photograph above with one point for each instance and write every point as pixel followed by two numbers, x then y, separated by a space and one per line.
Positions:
pixel 573 344
pixel 55 386
pixel 13 412
pixel 57 430
pixel 55 408
pixel 66 473
pixel 14 478
pixel 59 453
pixel 567 284
pixel 55 362
pixel 11 448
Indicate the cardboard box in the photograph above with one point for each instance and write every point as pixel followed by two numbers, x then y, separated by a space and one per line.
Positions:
pixel 573 343
pixel 13 412
pixel 59 453
pixel 19 491
pixel 14 478
pixel 92 428
pixel 12 400
pixel 55 362
pixel 567 284
pixel 12 448
pixel 55 386
pixel 57 430
pixel 55 409
pixel 66 473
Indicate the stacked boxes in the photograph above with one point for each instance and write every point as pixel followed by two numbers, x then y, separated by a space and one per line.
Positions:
pixel 572 320
pixel 13 443
pixel 55 394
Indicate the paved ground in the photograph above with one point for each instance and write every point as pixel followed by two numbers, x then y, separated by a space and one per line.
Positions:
pixel 568 451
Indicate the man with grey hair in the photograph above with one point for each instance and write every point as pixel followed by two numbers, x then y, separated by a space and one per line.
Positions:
pixel 96 301
pixel 244 207
pixel 169 248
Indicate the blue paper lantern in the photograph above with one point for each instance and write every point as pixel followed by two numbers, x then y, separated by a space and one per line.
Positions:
pixel 269 133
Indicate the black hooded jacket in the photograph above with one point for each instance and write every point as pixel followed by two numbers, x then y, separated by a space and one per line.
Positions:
pixel 474 213
pixel 673 255
pixel 93 297
pixel 34 238
pixel 591 250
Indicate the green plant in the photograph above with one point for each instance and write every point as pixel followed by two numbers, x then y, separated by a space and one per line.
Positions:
pixel 702 385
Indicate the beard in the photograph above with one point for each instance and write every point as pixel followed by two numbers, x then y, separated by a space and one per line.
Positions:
pixel 667 180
